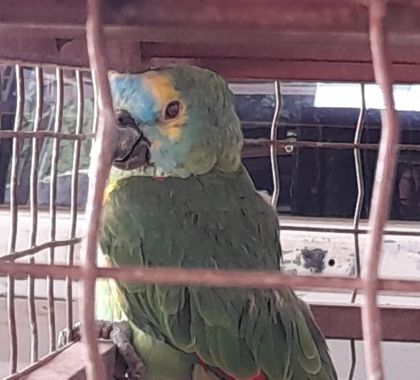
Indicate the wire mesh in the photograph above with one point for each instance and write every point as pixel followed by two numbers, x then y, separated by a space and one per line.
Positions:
pixel 88 272
pixel 37 140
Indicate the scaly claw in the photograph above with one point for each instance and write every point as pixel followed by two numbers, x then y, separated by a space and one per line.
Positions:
pixel 120 334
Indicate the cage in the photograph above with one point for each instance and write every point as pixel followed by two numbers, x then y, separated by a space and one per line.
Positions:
pixel 335 152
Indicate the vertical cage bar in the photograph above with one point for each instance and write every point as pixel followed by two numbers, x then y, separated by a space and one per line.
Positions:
pixel 95 107
pixel 357 210
pixel 1 94
pixel 74 196
pixel 360 184
pixel 39 106
pixel 273 146
pixel 100 166
pixel 20 101
pixel 53 203
pixel 382 191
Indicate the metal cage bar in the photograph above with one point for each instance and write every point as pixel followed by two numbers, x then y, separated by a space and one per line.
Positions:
pixel 273 147
pixel 53 204
pixel 357 211
pixel 88 272
pixel 210 278
pixel 39 248
pixel 326 145
pixel 74 197
pixel 357 214
pixel 360 185
pixel 43 134
pixel 101 164
pixel 20 100
pixel 382 190
pixel 95 108
pixel 39 79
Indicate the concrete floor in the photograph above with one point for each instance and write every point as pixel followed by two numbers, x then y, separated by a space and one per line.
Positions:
pixel 401 259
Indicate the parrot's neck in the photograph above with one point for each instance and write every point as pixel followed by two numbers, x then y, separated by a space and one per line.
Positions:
pixel 147 171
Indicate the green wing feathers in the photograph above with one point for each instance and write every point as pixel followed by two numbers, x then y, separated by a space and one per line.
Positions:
pixel 191 224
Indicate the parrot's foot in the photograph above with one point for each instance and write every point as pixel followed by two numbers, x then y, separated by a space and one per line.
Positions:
pixel 120 334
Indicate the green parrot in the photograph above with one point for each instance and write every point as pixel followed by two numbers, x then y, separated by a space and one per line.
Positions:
pixel 179 196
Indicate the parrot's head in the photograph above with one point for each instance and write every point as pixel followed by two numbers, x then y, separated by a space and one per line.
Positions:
pixel 176 121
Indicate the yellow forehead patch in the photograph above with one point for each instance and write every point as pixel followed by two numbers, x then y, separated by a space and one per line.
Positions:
pixel 164 92
pixel 161 87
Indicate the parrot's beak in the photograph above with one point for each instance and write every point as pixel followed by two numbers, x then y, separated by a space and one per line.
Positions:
pixel 132 148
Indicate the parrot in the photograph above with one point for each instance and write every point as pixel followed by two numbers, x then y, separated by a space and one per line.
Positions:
pixel 178 195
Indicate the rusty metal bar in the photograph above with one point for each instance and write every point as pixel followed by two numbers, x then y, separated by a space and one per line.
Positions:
pixel 20 101
pixel 100 167
pixel 74 196
pixel 201 277
pixel 53 203
pixel 41 247
pixel 382 190
pixel 5 134
pixel 39 79
pixel 273 147
pixel 95 108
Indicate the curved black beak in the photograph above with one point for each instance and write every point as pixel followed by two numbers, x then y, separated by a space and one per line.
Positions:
pixel 132 147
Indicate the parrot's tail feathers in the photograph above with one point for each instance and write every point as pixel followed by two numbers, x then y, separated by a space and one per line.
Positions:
pixel 328 371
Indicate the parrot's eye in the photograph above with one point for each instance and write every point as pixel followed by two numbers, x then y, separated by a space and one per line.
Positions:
pixel 172 110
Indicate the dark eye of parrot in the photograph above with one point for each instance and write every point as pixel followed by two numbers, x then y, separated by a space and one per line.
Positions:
pixel 172 110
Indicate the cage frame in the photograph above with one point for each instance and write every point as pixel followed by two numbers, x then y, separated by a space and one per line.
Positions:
pixel 56 41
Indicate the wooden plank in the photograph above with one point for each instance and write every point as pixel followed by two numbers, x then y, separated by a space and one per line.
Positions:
pixel 244 39
pixel 69 364
pixel 303 15
pixel 337 321
pixel 344 322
